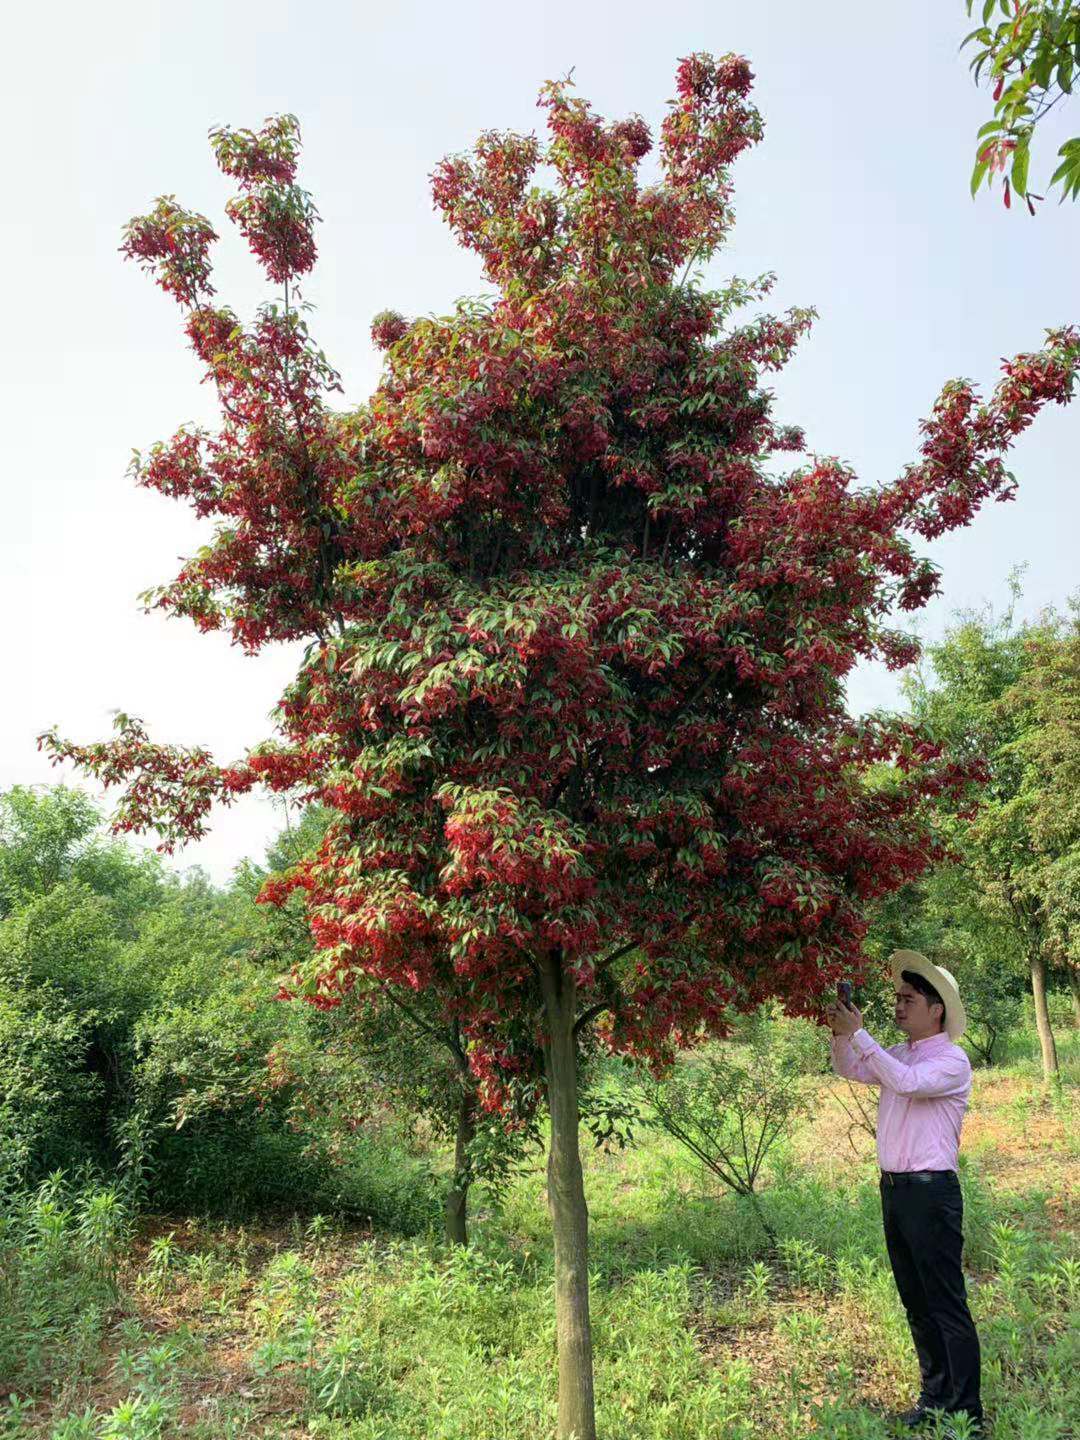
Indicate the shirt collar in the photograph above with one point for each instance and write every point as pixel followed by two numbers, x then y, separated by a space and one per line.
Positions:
pixel 931 1042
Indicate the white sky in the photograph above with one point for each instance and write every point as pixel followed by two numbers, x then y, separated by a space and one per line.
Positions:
pixel 857 198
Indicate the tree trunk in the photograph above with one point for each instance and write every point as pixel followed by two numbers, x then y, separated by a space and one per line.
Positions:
pixel 767 1229
pixel 457 1197
pixel 1042 1018
pixel 992 1037
pixel 1074 983
pixel 569 1214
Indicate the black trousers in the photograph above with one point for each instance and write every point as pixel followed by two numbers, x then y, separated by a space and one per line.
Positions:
pixel 924 1235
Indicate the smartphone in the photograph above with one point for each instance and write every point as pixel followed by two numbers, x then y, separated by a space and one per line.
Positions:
pixel 843 991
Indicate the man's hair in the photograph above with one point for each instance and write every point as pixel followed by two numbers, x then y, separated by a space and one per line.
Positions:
pixel 922 985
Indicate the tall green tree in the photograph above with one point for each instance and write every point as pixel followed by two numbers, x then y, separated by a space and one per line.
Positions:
pixel 1063 900
pixel 71 904
pixel 49 836
pixel 1010 693
pixel 948 915
pixel 1045 703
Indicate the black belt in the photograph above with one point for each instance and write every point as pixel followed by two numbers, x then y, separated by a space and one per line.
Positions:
pixel 912 1177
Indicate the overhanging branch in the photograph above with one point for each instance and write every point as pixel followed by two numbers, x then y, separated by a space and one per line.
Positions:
pixel 590 1014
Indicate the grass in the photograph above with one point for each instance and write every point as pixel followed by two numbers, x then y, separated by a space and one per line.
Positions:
pixel 312 1327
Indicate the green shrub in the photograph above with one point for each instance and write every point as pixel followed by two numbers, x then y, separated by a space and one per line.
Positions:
pixel 380 1180
pixel 60 1245
pixel 49 1102
pixel 61 1027
pixel 731 1104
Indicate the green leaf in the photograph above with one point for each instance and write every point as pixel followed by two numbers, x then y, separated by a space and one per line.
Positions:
pixel 1071 183
pixel 1070 163
pixel 1040 70
pixel 977 176
pixel 1021 159
pixel 990 125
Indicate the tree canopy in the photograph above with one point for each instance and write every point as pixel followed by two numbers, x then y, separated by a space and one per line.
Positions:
pixel 575 681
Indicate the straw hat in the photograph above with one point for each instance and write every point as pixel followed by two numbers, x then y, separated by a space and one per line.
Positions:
pixel 942 981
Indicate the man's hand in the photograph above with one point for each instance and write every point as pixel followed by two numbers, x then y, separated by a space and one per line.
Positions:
pixel 843 1019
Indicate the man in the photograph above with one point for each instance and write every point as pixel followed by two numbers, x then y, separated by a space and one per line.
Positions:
pixel 925 1083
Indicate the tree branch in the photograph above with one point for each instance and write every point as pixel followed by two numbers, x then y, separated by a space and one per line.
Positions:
pixel 609 960
pixel 590 1014
pixel 417 1020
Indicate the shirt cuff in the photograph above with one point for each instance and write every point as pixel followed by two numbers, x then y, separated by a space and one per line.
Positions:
pixel 863 1042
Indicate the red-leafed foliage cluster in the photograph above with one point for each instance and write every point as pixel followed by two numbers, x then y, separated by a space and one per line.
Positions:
pixel 575 684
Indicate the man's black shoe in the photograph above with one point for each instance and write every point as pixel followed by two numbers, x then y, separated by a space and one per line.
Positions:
pixel 920 1414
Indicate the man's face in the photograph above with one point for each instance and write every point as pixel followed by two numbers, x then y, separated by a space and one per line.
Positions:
pixel 913 1013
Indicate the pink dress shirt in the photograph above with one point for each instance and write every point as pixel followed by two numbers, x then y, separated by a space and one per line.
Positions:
pixel 924 1092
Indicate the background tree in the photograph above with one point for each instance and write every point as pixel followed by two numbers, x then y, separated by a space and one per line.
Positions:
pixel 1031 58
pixel 71 903
pixel 1011 693
pixel 52 836
pixel 1045 704
pixel 135 1025
pixel 1063 909
pixel 574 681
pixel 398 1046
pixel 948 915
pixel 138 1030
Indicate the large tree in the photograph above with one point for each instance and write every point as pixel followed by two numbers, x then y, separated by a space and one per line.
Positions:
pixel 574 686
